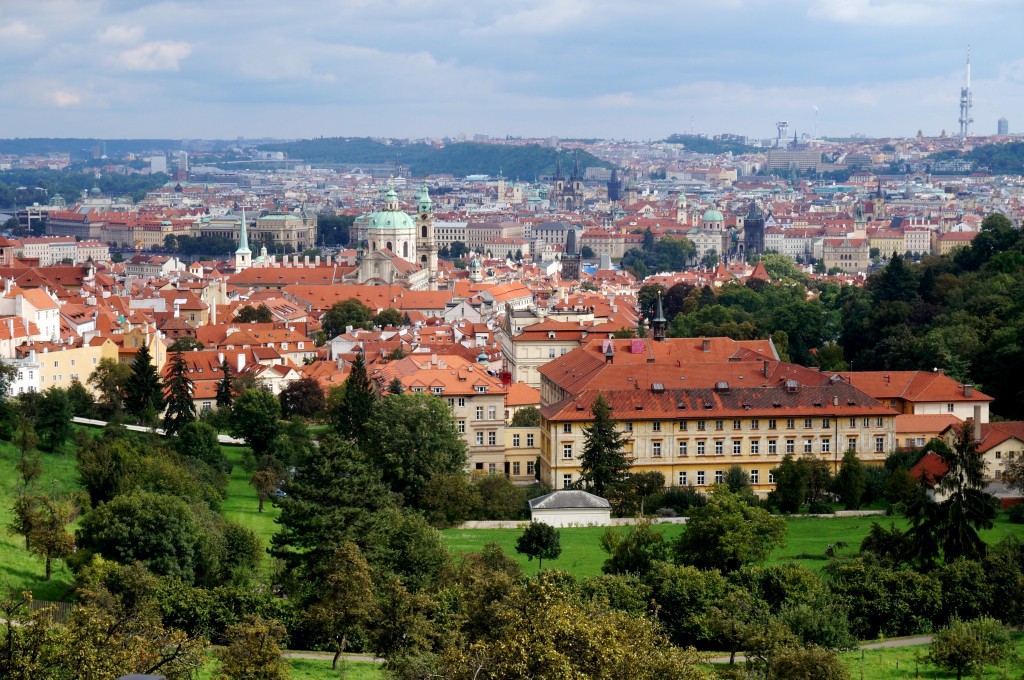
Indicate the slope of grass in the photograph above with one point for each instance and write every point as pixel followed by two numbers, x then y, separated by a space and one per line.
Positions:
pixel 313 669
pixel 242 504
pixel 896 663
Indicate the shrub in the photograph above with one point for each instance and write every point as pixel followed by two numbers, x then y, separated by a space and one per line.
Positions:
pixel 820 509
pixel 1017 514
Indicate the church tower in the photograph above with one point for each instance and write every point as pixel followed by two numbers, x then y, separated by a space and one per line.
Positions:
pixel 659 324
pixel 426 244
pixel 682 216
pixel 243 256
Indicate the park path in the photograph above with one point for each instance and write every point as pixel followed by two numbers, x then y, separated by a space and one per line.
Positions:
pixel 885 644
pixel 327 656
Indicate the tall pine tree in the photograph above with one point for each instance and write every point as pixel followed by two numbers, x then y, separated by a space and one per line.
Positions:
pixel 144 393
pixel 224 394
pixel 178 390
pixel 352 412
pixel 603 462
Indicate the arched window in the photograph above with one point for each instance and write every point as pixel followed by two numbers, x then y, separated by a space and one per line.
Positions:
pixel 390 247
pixel 405 250
pixel 424 231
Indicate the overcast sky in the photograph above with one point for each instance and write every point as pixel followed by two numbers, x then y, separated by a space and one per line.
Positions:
pixel 634 69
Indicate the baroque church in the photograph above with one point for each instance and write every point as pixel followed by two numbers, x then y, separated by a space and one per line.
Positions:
pixel 396 249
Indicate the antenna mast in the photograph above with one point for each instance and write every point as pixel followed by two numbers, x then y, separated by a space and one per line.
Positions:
pixel 966 101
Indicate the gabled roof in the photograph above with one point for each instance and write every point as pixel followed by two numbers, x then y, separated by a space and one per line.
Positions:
pixel 569 499
pixel 913 386
pixel 929 469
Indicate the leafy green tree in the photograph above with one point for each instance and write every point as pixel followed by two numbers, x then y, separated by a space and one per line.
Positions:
pixel 820 620
pixel 199 440
pixel 727 534
pixel 185 343
pixel 528 416
pixel 178 390
pixel 49 533
pixel 350 312
pixel 24 438
pixel 105 466
pixel 633 551
pixel 682 594
pixel 449 499
pixel 24 516
pixel 396 386
pixel 738 481
pixel 411 437
pixel 303 397
pixel 640 486
pixel 603 462
pixel 253 650
pixel 966 646
pixel 254 314
pixel 734 621
pixel 346 599
pixel 499 497
pixel 539 540
pixel 808 663
pixel 388 317
pixel 225 393
pixel 890 546
pixel 8 374
pixel 350 414
pixel 256 419
pixel 885 601
pixel 157 530
pixel 790 485
pixel 53 418
pixel 83 404
pixel 143 391
pixel 264 482
pixel 851 481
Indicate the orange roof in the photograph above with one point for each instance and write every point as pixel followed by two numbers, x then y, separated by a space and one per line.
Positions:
pixel 913 386
pixel 521 394
pixel 930 423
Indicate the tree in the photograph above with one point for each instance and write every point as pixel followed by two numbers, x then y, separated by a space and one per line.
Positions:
pixel 144 394
pixel 346 598
pixel 499 497
pixel 254 314
pixel 83 404
pixel 185 343
pixel 53 418
pixel 256 419
pixel 253 650
pixel 24 438
pixel 851 480
pixel 303 397
pixel 178 390
pixel 388 317
pixel 350 312
pixel 109 379
pixel 106 465
pixel 603 463
pixel 635 551
pixel 24 517
pixel 49 533
pixel 265 482
pixel 350 414
pixel 225 393
pixel 199 440
pixel 395 386
pixel 539 540
pixel 528 416
pixel 966 646
pixel 738 481
pixel 410 438
pixel 790 485
pixel 808 663
pixel 734 621
pixel 727 534
pixel 450 499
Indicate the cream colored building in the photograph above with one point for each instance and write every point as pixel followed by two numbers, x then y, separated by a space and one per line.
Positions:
pixel 61 364
pixel 852 255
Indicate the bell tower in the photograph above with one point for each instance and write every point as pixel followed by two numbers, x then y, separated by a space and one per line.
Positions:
pixel 243 256
pixel 426 244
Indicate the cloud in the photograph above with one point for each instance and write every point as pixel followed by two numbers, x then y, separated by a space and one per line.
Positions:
pixel 162 55
pixel 63 98
pixel 539 17
pixel 18 31
pixel 121 35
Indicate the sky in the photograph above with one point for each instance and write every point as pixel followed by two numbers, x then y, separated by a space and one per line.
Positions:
pixel 623 69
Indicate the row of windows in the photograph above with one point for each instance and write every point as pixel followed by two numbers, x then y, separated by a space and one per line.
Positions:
pixel 516 440
pixel 492 438
pixel 755 424
pixel 700 477
pixel 683 447
pixel 530 467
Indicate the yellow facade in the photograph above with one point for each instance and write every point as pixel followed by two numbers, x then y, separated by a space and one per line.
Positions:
pixel 62 366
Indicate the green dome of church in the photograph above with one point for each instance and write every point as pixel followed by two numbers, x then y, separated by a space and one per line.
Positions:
pixel 713 215
pixel 391 219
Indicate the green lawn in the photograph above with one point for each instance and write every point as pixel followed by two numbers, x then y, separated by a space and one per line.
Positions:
pixel 908 662
pixel 242 505
pixel 315 669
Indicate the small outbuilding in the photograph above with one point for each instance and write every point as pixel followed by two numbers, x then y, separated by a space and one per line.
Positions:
pixel 569 508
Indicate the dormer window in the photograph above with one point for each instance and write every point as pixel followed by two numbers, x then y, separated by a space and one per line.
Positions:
pixel 437 390
pixel 481 389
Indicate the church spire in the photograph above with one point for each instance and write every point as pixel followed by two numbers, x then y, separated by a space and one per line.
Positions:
pixel 243 256
pixel 659 323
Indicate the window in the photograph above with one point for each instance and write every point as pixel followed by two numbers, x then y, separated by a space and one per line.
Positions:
pixel 479 412
pixel 755 424
pixel 851 443
pixel 462 427
pixel 999 455
pixel 701 425
pixel 628 427
pixel 808 446
pixel 866 422
pixel 737 447
pixel 853 422
pixel 482 389
pixel 826 445
pixel 790 446
pixel 437 390
pixel 529 440
pixel 451 403
pixel 515 440
pixel 719 425
pixel 682 448
pixel 56 363
pixel 207 405
pixel 772 423
pixel 682 478
pixel 807 422
pixel 515 467
pixel 551 352
pixel 949 408
pixel 771 476
pixel 656 426
pixel 73 363
pixel 773 447
pixel 826 423
pixel 754 476
pixel 736 424
pixel 682 425
pixel 492 413
pixel 492 468
pixel 700 448
pixel 567 428
pixel 880 423
pixel 566 481
pixel 879 444
pixel 790 423
pixel 755 447
pixel 700 478
pixel 567 451
pixel 480 438
pixel 530 469
pixel 462 402
pixel 492 438
pixel 656 449
pixel 719 447
pixel 719 476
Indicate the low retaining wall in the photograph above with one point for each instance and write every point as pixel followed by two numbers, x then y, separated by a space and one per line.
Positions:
pixel 627 521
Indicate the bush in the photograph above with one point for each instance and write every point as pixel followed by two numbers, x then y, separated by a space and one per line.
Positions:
pixel 1017 514
pixel 820 508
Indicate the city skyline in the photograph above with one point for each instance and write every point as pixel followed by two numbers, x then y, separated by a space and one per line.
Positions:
pixel 571 68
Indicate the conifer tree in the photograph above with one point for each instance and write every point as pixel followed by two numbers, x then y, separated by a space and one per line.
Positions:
pixel 224 394
pixel 144 393
pixel 354 409
pixel 179 388
pixel 603 462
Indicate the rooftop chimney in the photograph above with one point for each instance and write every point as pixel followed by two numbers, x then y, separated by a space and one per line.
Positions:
pixel 968 391
pixel 977 422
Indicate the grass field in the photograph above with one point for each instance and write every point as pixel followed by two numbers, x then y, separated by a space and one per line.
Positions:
pixel 315 669
pixel 242 504
pixel 897 663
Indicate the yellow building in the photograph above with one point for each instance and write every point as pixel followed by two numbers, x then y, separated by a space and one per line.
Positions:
pixel 61 364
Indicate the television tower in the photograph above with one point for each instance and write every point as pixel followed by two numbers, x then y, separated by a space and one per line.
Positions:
pixel 966 100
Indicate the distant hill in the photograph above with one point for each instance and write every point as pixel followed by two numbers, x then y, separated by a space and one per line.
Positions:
pixel 459 159
pixel 115 147
pixel 1000 159
pixel 698 144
